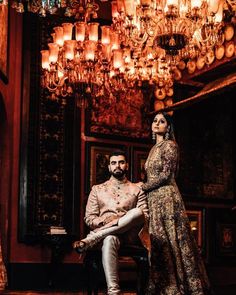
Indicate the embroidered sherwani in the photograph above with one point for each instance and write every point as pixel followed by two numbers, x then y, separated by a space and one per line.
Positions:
pixel 115 212
pixel 109 201
pixel 176 266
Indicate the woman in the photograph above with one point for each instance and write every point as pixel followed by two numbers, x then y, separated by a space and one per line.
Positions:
pixel 176 267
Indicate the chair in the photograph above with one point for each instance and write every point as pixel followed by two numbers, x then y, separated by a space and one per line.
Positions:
pixel 94 269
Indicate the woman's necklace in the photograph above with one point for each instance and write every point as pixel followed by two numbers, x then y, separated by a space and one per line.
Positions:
pixel 159 143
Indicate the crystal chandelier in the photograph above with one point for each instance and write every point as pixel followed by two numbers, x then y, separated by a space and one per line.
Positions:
pixel 180 27
pixel 145 43
pixel 79 63
pixel 88 66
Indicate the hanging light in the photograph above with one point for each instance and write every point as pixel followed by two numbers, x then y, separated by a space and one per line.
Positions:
pixel 79 63
pixel 177 26
pixel 145 43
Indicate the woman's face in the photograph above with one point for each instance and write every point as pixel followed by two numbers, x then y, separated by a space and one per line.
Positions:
pixel 159 124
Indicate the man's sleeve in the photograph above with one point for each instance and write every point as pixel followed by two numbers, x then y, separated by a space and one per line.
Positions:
pixel 92 212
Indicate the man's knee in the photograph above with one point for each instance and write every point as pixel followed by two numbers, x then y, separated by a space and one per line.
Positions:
pixel 137 213
pixel 133 217
pixel 112 241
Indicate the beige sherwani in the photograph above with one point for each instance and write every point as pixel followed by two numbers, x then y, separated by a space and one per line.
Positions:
pixel 113 208
pixel 111 200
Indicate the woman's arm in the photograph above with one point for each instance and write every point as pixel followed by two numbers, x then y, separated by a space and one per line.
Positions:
pixel 169 162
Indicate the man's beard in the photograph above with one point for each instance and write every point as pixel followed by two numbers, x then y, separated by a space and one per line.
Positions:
pixel 118 173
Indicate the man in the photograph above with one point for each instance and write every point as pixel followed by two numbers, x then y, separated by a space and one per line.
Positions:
pixel 114 208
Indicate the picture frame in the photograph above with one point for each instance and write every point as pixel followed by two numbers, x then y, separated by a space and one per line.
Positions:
pixel 139 157
pixel 4 28
pixel 196 221
pixel 127 118
pixel 97 156
pixel 226 239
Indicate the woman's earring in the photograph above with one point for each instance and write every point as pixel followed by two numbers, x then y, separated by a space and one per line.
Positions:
pixel 153 136
pixel 167 136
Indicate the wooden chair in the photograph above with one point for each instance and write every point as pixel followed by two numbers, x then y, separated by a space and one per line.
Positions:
pixel 94 269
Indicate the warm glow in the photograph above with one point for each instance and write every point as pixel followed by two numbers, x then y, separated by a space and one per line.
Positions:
pixel 148 41
pixel 105 34
pixel 172 2
pixel 214 5
pixel 196 3
pixel 59 39
pixel 80 31
pixel 118 58
pixel 115 42
pixel 106 50
pixel 45 59
pixel 69 49
pixel 129 7
pixel 89 50
pixel 93 31
pixel 60 74
pixel 114 11
pixel 67 31
pixel 219 14
pixel 145 2
pixel 127 56
pixel 120 6
pixel 53 52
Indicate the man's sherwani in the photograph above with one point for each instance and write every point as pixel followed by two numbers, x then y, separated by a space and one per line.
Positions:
pixel 109 201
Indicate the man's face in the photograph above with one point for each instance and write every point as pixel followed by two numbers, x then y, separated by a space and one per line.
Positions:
pixel 118 166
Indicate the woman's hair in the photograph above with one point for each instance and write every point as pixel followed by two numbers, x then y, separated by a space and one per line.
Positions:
pixel 169 123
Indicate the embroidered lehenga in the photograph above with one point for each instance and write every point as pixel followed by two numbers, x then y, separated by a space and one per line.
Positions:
pixel 176 266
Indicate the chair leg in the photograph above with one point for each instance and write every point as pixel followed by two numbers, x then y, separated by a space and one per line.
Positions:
pixel 142 274
pixel 92 281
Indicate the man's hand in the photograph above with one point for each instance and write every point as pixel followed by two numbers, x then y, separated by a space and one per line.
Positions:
pixel 76 244
pixel 110 219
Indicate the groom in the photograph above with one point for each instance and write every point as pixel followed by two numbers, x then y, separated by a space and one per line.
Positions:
pixel 115 212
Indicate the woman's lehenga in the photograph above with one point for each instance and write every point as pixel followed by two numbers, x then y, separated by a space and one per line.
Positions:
pixel 3 273
pixel 176 266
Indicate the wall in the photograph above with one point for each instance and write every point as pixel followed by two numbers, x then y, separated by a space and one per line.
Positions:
pixel 10 134
pixel 11 97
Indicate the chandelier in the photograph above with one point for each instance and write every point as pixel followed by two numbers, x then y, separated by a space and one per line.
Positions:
pixel 79 63
pixel 145 43
pixel 180 27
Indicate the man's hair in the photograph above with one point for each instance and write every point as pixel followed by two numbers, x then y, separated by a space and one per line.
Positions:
pixel 118 153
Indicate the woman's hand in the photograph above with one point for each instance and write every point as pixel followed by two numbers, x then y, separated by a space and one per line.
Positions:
pixel 139 184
